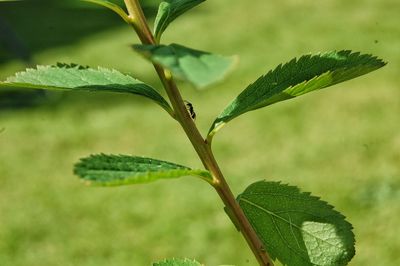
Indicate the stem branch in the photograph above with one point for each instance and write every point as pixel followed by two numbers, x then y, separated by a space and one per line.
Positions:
pixel 201 146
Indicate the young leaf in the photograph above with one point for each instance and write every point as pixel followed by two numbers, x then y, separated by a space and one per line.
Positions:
pixel 297 228
pixel 76 77
pixel 115 170
pixel 116 8
pixel 168 11
pixel 308 73
pixel 198 67
pixel 177 262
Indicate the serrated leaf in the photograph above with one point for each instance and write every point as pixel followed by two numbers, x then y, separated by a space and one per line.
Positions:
pixel 306 74
pixel 114 7
pixel 76 77
pixel 115 170
pixel 177 262
pixel 296 228
pixel 168 11
pixel 198 67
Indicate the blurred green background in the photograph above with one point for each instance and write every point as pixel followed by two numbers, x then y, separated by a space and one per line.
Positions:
pixel 343 144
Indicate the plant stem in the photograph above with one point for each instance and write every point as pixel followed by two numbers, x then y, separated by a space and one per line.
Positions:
pixel 139 22
pixel 201 146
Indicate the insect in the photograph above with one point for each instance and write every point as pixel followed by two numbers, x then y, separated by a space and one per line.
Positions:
pixel 190 109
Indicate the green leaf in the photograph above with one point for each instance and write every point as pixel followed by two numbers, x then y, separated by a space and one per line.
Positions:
pixel 115 170
pixel 307 74
pixel 297 228
pixel 116 8
pixel 76 77
pixel 168 11
pixel 198 67
pixel 177 262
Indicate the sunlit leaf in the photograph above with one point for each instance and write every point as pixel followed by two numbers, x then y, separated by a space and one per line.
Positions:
pixel 177 262
pixel 76 77
pixel 297 228
pixel 299 76
pixel 168 11
pixel 198 67
pixel 115 170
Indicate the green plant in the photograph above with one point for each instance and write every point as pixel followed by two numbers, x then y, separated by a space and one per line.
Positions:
pixel 294 227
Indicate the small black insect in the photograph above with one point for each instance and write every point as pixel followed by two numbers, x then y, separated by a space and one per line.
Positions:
pixel 190 109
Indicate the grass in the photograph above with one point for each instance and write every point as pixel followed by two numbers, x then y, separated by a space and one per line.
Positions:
pixel 343 144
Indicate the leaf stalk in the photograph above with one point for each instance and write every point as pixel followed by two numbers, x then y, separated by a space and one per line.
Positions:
pixel 201 145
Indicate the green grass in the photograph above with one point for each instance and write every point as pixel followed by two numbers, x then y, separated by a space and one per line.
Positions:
pixel 343 143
